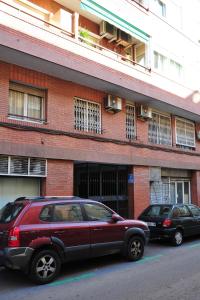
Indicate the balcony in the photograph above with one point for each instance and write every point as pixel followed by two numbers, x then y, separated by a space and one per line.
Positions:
pixel 63 30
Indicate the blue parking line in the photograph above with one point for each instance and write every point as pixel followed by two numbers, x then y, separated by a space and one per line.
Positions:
pixel 146 259
pixel 196 245
pixel 72 279
pixel 149 258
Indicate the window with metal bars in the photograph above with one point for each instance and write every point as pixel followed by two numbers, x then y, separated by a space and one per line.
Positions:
pixel 23 166
pixel 160 129
pixel 26 103
pixel 87 116
pixel 130 122
pixel 185 133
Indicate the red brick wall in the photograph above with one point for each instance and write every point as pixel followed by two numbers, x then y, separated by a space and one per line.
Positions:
pixel 195 188
pixel 59 181
pixel 141 189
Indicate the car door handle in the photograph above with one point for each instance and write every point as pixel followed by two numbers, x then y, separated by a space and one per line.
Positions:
pixel 97 229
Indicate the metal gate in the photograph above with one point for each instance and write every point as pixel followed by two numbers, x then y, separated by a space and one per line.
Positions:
pixel 104 183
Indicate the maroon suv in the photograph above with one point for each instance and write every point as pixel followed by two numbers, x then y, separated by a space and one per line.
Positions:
pixel 38 234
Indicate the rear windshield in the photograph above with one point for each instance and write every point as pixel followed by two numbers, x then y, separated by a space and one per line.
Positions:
pixel 10 211
pixel 158 211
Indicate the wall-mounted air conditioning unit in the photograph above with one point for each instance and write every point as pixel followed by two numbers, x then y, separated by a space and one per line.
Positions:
pixel 113 104
pixel 108 31
pixel 124 38
pixel 144 112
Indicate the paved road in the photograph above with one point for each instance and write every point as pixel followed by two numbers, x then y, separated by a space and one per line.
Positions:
pixel 164 273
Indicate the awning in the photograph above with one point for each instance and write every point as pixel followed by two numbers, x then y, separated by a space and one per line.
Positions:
pixel 94 8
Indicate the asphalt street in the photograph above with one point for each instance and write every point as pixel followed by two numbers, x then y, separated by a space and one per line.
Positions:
pixel 165 272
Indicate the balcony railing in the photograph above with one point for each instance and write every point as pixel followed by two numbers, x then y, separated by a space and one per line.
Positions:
pixel 37 22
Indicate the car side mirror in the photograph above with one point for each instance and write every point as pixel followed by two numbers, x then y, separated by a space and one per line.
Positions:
pixel 116 218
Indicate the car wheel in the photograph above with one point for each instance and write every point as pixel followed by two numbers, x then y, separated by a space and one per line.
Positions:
pixel 135 248
pixel 45 266
pixel 177 239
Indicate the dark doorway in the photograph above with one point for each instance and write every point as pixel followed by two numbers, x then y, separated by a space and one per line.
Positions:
pixel 105 183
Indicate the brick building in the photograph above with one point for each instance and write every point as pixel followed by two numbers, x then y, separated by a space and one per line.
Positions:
pixel 93 102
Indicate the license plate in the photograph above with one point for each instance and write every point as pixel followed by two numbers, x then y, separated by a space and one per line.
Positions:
pixel 151 224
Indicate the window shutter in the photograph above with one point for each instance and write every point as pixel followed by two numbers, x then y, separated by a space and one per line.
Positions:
pixel 3 164
pixel 19 165
pixel 37 166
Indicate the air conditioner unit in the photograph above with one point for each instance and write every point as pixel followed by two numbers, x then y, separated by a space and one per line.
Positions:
pixel 124 38
pixel 144 112
pixel 107 30
pixel 113 104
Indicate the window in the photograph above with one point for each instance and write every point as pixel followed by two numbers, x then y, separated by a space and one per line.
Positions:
pixel 184 211
pixel 47 213
pixel 26 166
pixel 10 212
pixel 97 212
pixel 160 129
pixel 159 8
pixel 160 62
pixel 87 116
pixel 167 66
pixel 195 210
pixel 130 122
pixel 26 103
pixel 67 213
pixel 185 133
pixel 175 69
pixel 158 211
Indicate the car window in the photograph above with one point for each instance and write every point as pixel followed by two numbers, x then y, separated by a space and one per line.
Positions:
pixel 184 211
pixel 67 213
pixel 158 211
pixel 97 212
pixel 175 212
pixel 47 213
pixel 195 210
pixel 10 211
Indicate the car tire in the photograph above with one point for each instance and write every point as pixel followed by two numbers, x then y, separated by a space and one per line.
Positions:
pixel 135 248
pixel 177 239
pixel 45 266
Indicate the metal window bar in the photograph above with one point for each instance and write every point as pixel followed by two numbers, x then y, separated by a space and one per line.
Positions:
pixel 160 129
pixel 130 122
pixel 87 116
pixel 185 133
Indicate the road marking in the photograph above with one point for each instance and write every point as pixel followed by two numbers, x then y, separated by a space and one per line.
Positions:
pixel 194 245
pixel 92 274
pixel 72 279
pixel 149 258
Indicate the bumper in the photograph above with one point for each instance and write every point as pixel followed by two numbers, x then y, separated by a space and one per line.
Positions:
pixel 15 258
pixel 165 233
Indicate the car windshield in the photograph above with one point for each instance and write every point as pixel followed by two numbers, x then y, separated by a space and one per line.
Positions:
pixel 10 211
pixel 158 211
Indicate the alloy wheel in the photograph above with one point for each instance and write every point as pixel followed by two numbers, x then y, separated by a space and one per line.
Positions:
pixel 46 266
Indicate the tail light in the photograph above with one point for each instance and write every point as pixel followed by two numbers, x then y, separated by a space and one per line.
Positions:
pixel 167 223
pixel 13 237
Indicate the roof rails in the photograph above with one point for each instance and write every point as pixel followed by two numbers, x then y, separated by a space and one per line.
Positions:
pixel 47 198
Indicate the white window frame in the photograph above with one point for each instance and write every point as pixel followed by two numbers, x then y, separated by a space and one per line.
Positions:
pixel 160 114
pixel 29 174
pixel 86 129
pixel 133 106
pixel 26 90
pixel 165 67
pixel 189 122
pixel 157 4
